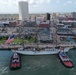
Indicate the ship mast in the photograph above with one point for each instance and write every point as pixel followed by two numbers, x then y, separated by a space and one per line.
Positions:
pixel 23 42
pixel 21 36
pixel 56 35
pixel 36 35
pixel 37 38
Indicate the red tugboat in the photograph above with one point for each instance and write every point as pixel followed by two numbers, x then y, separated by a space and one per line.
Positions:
pixel 15 62
pixel 65 59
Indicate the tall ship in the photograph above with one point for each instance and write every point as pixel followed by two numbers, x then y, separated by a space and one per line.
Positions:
pixel 42 51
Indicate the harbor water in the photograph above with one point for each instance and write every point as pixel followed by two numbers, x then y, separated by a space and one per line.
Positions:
pixel 37 65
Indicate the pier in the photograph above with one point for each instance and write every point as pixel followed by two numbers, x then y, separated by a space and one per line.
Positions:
pixel 9 47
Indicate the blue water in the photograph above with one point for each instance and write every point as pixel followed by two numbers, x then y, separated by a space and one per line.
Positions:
pixel 37 65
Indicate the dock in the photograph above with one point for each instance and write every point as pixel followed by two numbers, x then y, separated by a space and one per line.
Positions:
pixel 9 47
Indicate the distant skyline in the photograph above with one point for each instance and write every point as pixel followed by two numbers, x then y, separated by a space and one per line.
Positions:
pixel 38 6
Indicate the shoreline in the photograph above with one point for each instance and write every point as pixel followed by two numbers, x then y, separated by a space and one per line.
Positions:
pixel 72 46
pixel 9 49
pixel 5 49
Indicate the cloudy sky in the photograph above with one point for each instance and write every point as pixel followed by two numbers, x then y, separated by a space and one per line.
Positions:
pixel 39 6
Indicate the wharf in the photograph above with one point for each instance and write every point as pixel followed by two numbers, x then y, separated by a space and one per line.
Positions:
pixel 9 47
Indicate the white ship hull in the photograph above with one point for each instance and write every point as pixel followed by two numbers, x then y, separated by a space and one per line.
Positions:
pixel 41 52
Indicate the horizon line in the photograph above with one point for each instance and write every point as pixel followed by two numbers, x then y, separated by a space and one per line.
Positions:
pixel 39 12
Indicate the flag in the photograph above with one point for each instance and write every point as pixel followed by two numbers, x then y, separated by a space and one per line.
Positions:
pixel 10 39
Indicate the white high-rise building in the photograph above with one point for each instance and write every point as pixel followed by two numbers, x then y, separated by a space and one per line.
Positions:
pixel 23 10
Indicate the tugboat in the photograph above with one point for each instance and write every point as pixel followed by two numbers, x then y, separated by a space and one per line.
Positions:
pixel 65 59
pixel 15 62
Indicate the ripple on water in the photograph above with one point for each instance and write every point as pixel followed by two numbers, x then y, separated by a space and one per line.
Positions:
pixel 37 65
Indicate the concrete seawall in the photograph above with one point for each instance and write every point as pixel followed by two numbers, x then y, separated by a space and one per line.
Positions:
pixel 5 49
pixel 9 47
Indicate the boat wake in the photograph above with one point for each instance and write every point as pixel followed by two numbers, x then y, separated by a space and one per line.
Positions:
pixel 4 70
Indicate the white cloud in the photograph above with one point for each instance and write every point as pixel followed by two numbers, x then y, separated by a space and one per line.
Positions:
pixel 75 2
pixel 3 3
pixel 69 2
pixel 31 2
pixel 64 4
pixel 58 1
pixel 48 1
pixel 38 1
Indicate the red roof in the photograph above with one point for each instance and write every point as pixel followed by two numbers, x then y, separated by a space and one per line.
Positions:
pixel 44 25
pixel 70 18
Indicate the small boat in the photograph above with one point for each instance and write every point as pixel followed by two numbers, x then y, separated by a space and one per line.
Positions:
pixel 65 59
pixel 15 62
